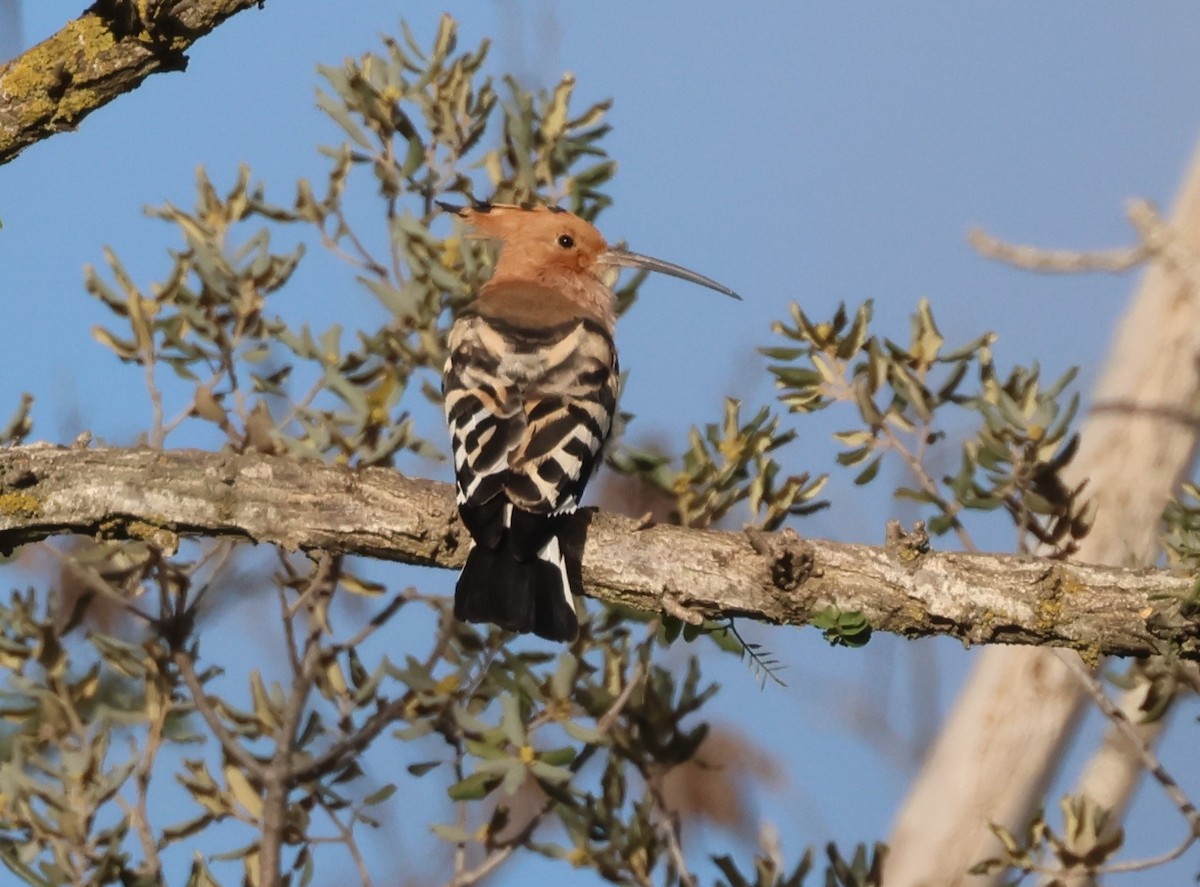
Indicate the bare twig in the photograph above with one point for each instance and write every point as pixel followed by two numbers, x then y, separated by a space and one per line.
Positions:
pixel 669 828
pixel 89 577
pixel 355 742
pixel 1056 261
pixel 229 743
pixel 289 628
pixel 1156 240
pixel 377 621
pixel 138 811
pixel 147 353
pixel 493 861
pixel 1148 758
pixel 346 837
pixel 1141 865
pixel 279 775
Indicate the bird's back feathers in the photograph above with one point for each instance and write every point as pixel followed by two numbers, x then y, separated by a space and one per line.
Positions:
pixel 529 403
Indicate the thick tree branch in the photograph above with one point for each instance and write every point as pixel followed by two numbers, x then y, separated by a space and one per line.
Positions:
pixel 107 51
pixel 160 496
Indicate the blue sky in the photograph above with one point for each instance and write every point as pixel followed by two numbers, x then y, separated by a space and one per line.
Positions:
pixel 810 152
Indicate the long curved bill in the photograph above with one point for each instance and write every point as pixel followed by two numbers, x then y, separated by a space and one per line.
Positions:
pixel 626 259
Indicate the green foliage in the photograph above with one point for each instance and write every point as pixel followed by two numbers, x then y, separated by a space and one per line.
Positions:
pixel 1181 519
pixel 560 753
pixel 63 772
pixel 906 396
pixel 727 464
pixel 842 629
pixel 1181 538
pixel 414 121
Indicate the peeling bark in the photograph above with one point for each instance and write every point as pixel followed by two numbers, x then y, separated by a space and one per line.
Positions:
pixel 695 574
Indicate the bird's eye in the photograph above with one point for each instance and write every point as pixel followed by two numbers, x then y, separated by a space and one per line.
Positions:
pixel 566 241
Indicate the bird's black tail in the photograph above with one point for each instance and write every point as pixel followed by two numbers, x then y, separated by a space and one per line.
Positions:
pixel 530 593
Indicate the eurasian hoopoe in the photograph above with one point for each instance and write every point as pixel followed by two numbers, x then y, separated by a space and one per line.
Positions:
pixel 530 389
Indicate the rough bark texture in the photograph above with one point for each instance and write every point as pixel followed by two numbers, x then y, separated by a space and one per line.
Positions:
pixel 1000 746
pixel 161 496
pixel 107 51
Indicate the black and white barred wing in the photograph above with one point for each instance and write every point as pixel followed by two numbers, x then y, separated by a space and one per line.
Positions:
pixel 529 411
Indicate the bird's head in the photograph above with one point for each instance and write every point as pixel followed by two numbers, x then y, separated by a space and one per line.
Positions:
pixel 536 241
pixel 552 247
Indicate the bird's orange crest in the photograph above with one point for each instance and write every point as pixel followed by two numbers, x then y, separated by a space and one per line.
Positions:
pixel 535 238
pixel 552 247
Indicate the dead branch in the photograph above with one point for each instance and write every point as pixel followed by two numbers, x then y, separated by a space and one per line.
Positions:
pixel 1056 261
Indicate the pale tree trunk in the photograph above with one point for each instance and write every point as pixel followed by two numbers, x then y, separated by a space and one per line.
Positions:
pixel 1001 744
